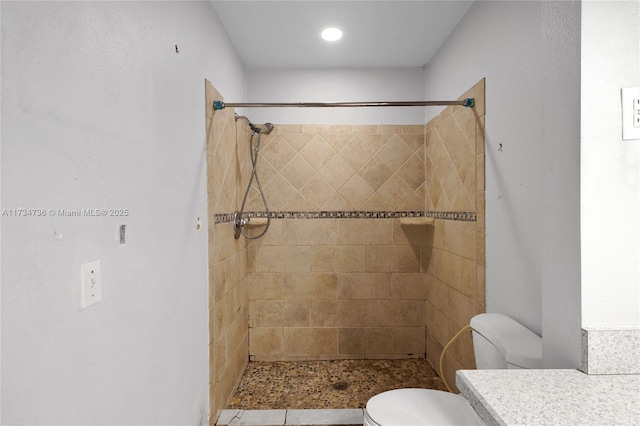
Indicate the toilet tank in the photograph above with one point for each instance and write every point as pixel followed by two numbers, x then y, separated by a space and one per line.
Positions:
pixel 501 342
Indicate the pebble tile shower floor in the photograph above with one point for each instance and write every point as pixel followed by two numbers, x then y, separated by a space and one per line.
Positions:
pixel 328 384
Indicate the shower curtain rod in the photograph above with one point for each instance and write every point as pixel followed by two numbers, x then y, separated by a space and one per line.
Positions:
pixel 468 102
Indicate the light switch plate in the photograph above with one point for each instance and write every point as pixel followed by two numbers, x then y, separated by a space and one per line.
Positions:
pixel 631 113
pixel 90 283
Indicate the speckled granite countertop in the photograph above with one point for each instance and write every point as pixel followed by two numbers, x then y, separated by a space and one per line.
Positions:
pixel 551 397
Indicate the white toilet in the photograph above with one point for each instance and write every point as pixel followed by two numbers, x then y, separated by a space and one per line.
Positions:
pixel 498 342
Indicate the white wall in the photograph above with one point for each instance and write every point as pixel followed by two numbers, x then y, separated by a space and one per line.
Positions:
pixel 99 111
pixel 501 41
pixel 508 43
pixel 336 85
pixel 610 167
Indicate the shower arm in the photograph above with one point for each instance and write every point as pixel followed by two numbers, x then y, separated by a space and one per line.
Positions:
pixel 468 102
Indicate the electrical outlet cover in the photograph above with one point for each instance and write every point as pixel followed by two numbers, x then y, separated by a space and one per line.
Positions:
pixel 630 131
pixel 90 283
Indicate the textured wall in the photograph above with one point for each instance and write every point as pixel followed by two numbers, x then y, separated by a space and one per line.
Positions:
pixel 100 111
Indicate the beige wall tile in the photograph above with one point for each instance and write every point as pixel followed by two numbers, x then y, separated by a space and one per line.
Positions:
pixel 364 128
pixel 266 340
pixel 363 231
pixel 356 190
pixel 356 153
pixel 310 340
pixel 309 286
pixel 278 192
pixel 375 172
pixel 480 286
pixel 415 202
pixel 266 286
pixel 338 259
pixel 351 341
pixel 298 172
pixel 266 313
pixel 289 128
pixel 389 128
pixel 435 294
pixel 413 172
pixel 317 152
pixel 378 340
pixel 407 313
pixel 282 259
pixel 337 203
pixel 375 140
pixel 392 258
pixel 277 152
pixel 376 202
pixel 337 172
pixel 297 140
pixel 364 286
pixel 336 313
pixel 316 128
pixel 377 313
pixel 317 191
pixel 396 191
pixel 480 248
pixel 395 152
pixel 409 340
pixel 460 238
pixel 295 313
pixel 309 231
pixel 338 140
pixel 408 286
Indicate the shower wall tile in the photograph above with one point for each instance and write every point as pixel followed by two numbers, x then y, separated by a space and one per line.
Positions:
pixel 392 258
pixel 341 167
pixel 228 261
pixel 360 281
pixel 369 288
pixel 338 259
pixel 266 341
pixel 310 341
pixel 455 279
pixel 363 231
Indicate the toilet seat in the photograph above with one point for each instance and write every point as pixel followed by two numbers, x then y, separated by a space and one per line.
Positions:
pixel 411 407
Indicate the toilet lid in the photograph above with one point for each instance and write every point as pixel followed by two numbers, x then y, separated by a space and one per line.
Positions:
pixel 408 407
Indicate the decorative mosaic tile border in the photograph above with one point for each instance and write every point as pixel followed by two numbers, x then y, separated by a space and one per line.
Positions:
pixel 467 216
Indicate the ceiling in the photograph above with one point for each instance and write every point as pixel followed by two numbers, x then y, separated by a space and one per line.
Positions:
pixel 286 34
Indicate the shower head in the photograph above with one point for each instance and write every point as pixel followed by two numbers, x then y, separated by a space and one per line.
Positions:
pixel 266 128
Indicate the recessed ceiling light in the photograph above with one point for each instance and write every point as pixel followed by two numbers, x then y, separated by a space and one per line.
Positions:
pixel 331 34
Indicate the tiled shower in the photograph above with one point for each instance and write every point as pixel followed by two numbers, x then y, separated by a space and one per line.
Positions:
pixel 342 273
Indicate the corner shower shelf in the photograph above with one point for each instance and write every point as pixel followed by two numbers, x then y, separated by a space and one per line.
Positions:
pixel 417 221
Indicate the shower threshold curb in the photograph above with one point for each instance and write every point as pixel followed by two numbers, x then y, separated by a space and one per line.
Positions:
pixel 291 417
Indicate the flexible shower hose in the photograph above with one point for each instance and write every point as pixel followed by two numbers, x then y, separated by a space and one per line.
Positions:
pixel 441 364
pixel 253 154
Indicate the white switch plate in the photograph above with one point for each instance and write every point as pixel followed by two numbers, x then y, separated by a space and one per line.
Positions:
pixel 631 113
pixel 90 283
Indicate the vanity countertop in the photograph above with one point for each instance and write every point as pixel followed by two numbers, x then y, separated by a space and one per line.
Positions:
pixel 551 397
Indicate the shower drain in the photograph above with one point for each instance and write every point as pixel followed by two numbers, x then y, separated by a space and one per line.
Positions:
pixel 340 385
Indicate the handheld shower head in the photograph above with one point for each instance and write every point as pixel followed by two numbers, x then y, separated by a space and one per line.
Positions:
pixel 266 128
